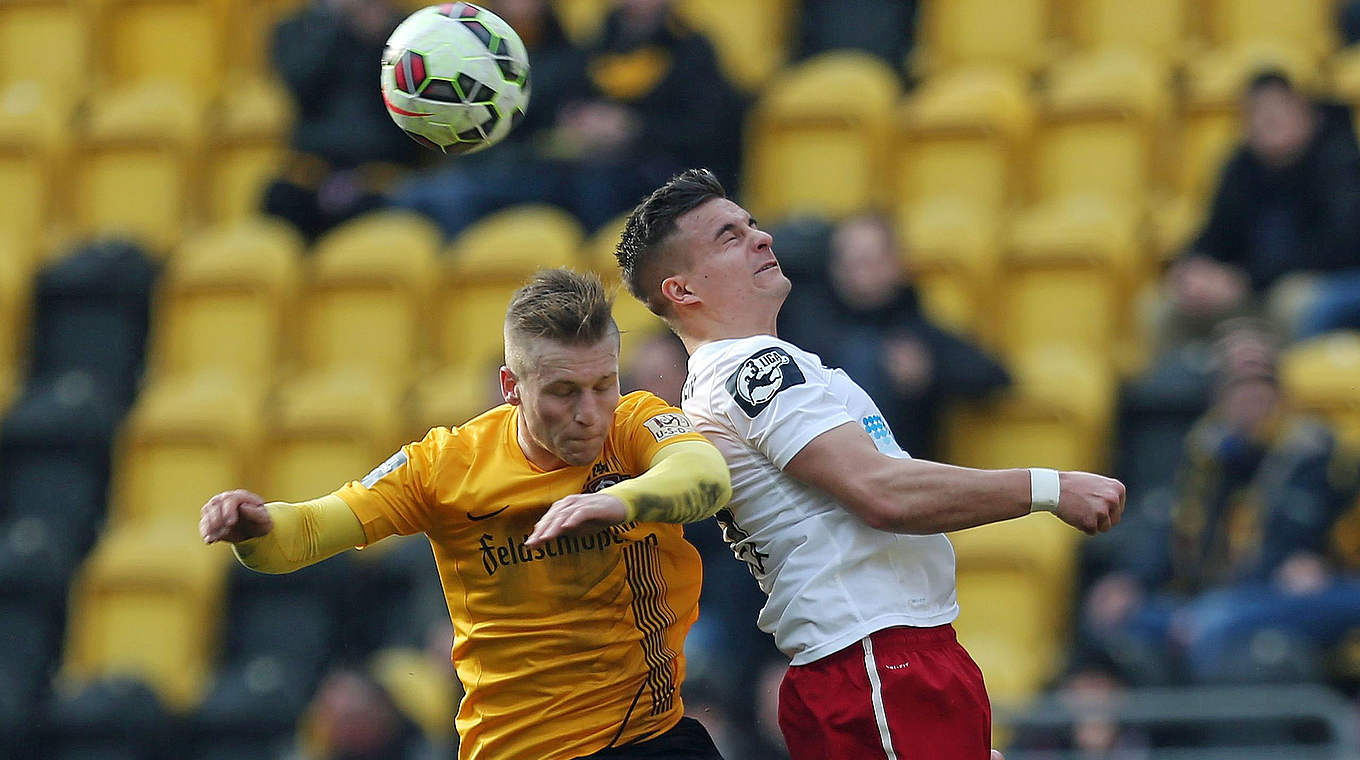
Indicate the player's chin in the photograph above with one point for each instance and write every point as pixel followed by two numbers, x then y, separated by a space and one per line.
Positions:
pixel 581 452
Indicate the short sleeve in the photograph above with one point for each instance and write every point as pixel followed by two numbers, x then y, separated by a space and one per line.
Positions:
pixel 395 498
pixel 646 424
pixel 778 400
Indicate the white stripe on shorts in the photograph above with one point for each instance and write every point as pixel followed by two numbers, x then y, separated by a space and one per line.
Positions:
pixel 876 696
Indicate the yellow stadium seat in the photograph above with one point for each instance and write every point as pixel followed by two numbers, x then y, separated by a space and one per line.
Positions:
pixel 1069 271
pixel 148 603
pixel 816 138
pixel 224 304
pixel 250 29
pixel 1344 79
pixel 582 20
pixel 246 147
pixel 45 43
pixel 366 301
pixel 181 443
pixel 324 430
pixel 1309 25
pixel 961 136
pixel 966 33
pixel 597 252
pixel 953 250
pixel 1322 375
pixel 1010 634
pixel 1101 120
pixel 453 395
pixel 1045 421
pixel 174 41
pixel 136 160
pixel 1157 28
pixel 635 323
pixel 487 263
pixel 426 691
pixel 32 178
pixel 751 38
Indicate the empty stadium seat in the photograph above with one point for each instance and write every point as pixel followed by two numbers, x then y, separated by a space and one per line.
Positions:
pixel 180 444
pixel 324 431
pixel 1322 375
pixel 367 295
pixel 1157 28
pixel 34 147
pixel 147 603
pixel 166 41
pixel 1309 25
pixel 968 33
pixel 635 323
pixel 1014 637
pixel 816 137
pixel 453 395
pixel 15 282
pixel 32 30
pixel 961 136
pixel 953 250
pixel 1344 75
pixel 486 264
pixel 597 252
pixel 137 156
pixel 246 147
pixel 751 38
pixel 224 306
pixel 1069 271
pixel 1100 124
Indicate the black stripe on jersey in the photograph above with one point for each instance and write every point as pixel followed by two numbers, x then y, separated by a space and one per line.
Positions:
pixel 652 617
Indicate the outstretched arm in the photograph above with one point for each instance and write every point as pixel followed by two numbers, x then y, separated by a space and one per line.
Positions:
pixel 918 496
pixel 278 537
pixel 686 482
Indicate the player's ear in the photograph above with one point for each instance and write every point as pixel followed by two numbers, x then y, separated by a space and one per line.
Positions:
pixel 675 289
pixel 509 386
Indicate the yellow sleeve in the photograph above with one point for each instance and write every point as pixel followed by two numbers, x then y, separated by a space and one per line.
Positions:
pixel 686 482
pixel 394 498
pixel 303 534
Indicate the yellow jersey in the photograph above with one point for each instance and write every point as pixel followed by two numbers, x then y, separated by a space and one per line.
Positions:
pixel 567 648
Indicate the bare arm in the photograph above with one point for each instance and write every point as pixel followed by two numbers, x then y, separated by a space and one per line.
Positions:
pixel 918 496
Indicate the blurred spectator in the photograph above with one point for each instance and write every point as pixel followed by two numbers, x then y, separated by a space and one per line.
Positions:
pixel 643 102
pixel 346 150
pixel 1088 691
pixel 658 364
pixel 1243 548
pixel 885 28
pixel 1284 225
pixel 353 718
pixel 870 323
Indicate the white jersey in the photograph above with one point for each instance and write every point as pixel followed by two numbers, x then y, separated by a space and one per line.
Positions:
pixel 830 578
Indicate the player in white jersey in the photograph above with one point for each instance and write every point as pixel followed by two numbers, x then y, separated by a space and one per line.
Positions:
pixel 843 529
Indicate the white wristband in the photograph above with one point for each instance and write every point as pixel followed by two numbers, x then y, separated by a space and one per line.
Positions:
pixel 1044 489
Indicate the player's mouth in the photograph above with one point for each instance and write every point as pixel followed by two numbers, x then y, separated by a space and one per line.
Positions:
pixel 767 266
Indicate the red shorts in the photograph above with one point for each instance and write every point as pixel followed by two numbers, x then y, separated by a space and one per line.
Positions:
pixel 899 694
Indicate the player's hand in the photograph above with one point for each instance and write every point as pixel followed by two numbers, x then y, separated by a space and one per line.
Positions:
pixel 1090 503
pixel 234 516
pixel 578 513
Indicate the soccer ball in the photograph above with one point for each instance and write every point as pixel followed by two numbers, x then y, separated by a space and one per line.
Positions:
pixel 455 77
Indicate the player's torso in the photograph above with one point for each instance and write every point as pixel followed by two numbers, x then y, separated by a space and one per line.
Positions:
pixel 581 629
pixel 816 560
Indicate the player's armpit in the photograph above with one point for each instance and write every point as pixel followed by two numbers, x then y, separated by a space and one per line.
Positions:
pixel 686 482
pixel 303 534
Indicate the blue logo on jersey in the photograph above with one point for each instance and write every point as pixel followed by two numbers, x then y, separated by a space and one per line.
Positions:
pixel 876 427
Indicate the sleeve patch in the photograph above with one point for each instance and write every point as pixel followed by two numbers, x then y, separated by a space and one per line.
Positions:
pixel 761 377
pixel 664 426
pixel 383 470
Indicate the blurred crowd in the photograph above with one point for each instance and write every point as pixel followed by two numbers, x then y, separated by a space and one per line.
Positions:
pixel 1234 564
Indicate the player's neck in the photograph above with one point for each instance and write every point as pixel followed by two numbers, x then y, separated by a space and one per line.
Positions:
pixel 703 331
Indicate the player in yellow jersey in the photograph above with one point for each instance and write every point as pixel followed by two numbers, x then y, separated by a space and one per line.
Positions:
pixel 555 521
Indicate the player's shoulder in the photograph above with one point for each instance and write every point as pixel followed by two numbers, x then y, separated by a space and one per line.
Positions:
pixel 639 404
pixel 730 354
pixel 748 373
pixel 486 429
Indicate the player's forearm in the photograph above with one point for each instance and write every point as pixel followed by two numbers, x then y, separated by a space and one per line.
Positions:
pixel 687 482
pixel 919 497
pixel 303 534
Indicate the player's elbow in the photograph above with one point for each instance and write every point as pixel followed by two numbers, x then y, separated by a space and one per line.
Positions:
pixel 874 506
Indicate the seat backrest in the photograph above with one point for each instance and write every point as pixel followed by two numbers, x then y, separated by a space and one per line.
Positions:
pixel 46 42
pixel 168 40
pixel 970 32
pixel 1160 28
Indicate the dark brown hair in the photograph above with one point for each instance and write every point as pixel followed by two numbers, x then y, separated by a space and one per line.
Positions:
pixel 641 253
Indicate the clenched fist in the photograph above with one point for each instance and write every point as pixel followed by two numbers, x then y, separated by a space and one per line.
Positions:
pixel 1090 503
pixel 234 516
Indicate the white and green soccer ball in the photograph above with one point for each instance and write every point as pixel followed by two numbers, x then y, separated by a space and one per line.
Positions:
pixel 455 77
